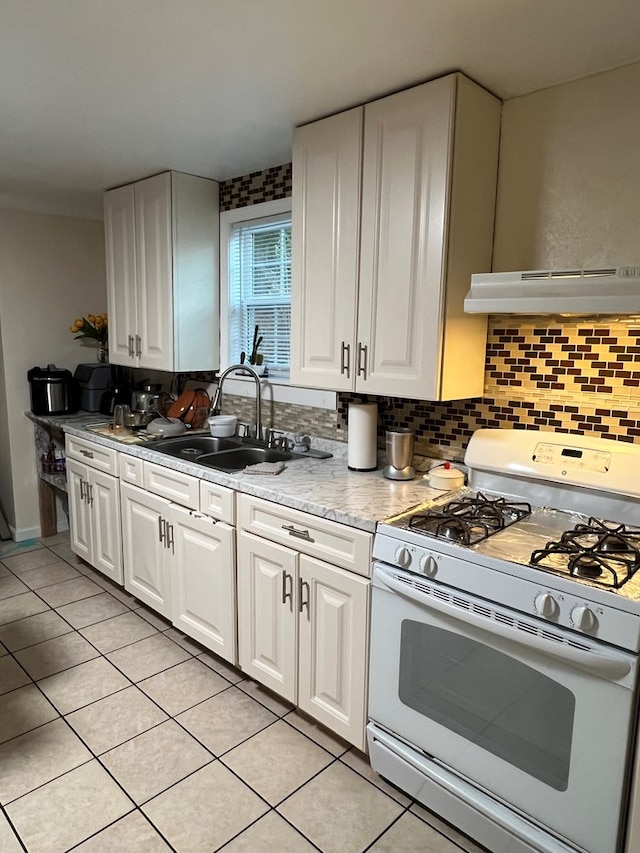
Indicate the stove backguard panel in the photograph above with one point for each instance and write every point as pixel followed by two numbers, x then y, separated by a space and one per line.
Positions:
pixel 576 376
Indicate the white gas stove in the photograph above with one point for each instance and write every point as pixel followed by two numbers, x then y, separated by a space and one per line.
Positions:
pixel 506 630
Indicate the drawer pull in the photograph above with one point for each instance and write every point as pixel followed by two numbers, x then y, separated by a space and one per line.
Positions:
pixel 162 530
pixel 300 534
pixel 287 595
pixel 86 453
pixel 304 601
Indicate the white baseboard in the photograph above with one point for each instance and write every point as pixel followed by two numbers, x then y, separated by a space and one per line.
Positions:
pixel 24 533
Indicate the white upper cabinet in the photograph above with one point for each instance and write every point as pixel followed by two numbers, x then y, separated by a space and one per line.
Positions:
pixel 393 209
pixel 162 246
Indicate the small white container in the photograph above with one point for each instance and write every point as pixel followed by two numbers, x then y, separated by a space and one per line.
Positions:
pixel 446 477
pixel 222 426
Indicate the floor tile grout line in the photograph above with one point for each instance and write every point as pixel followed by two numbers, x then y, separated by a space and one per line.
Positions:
pixel 3 811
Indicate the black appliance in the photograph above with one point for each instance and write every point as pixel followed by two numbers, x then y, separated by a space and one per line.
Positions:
pixel 93 380
pixel 53 391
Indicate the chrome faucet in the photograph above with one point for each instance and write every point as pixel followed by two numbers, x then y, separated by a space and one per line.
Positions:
pixel 217 397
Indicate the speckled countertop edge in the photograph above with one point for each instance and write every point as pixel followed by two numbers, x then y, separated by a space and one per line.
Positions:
pixel 322 487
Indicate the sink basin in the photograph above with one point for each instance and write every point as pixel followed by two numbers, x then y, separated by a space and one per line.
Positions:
pixel 192 447
pixel 239 457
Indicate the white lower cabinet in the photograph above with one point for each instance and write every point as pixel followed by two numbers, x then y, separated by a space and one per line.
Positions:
pixel 303 632
pixel 146 570
pixel 181 563
pixel 203 588
pixel 94 518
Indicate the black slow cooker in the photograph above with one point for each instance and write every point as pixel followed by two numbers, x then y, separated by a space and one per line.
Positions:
pixel 53 391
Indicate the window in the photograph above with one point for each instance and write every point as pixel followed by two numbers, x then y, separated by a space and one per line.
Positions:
pixel 259 287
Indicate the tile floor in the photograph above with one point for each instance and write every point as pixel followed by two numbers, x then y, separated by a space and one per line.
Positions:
pixel 117 733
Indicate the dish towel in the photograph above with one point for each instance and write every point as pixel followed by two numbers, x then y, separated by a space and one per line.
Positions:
pixel 265 468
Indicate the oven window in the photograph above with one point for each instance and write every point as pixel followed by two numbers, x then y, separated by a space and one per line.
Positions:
pixel 489 698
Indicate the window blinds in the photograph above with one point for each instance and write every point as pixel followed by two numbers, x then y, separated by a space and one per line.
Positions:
pixel 260 288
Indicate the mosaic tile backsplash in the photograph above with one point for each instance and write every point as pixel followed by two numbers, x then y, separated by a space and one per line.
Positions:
pixel 575 377
pixel 267 185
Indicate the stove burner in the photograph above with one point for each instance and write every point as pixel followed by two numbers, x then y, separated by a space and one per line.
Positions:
pixel 469 519
pixel 453 529
pixel 607 554
pixel 585 566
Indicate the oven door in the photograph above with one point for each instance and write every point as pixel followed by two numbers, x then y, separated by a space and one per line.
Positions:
pixel 539 724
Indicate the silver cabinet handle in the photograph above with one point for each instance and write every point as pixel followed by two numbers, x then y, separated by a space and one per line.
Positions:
pixel 362 360
pixel 87 453
pixel 138 346
pixel 162 530
pixel 345 359
pixel 170 537
pixel 89 494
pixel 300 534
pixel 304 601
pixel 131 352
pixel 83 486
pixel 287 595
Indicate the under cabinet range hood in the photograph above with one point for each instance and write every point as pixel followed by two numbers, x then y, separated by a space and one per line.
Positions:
pixel 589 291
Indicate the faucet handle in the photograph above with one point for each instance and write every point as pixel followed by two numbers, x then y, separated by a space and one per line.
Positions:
pixel 276 438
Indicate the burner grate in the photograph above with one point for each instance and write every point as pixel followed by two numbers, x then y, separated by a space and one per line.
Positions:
pixel 470 519
pixel 606 554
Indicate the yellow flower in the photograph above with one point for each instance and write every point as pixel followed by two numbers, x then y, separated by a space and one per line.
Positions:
pixel 91 318
pixel 99 322
pixel 78 322
pixel 73 328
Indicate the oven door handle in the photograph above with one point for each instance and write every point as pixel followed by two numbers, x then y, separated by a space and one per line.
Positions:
pixel 611 667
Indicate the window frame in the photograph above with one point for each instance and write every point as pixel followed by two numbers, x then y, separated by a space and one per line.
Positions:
pixel 228 218
pixel 276 388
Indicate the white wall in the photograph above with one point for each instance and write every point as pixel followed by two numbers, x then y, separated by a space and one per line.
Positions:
pixel 569 175
pixel 51 271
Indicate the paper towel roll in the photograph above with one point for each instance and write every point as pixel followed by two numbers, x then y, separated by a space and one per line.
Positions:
pixel 363 436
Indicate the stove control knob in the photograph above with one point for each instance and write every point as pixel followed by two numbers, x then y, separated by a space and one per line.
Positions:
pixel 428 566
pixel 583 618
pixel 403 557
pixel 546 605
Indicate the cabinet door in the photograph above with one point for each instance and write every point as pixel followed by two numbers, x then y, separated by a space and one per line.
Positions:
pixel 333 637
pixel 79 510
pixel 326 216
pixel 267 616
pixel 203 581
pixel 406 162
pixel 104 500
pixel 144 551
pixel 154 271
pixel 119 222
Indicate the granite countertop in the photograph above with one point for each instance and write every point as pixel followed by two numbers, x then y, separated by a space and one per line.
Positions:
pixel 322 487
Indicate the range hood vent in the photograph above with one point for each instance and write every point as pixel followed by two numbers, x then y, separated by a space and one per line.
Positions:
pixel 590 291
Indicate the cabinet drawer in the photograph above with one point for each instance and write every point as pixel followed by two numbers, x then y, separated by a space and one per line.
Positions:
pixel 102 458
pixel 217 501
pixel 131 470
pixel 336 543
pixel 181 488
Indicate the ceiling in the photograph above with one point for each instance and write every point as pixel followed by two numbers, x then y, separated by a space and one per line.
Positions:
pixel 97 93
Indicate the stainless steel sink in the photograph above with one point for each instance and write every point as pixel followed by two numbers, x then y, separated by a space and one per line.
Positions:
pixel 227 454
pixel 240 457
pixel 190 448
